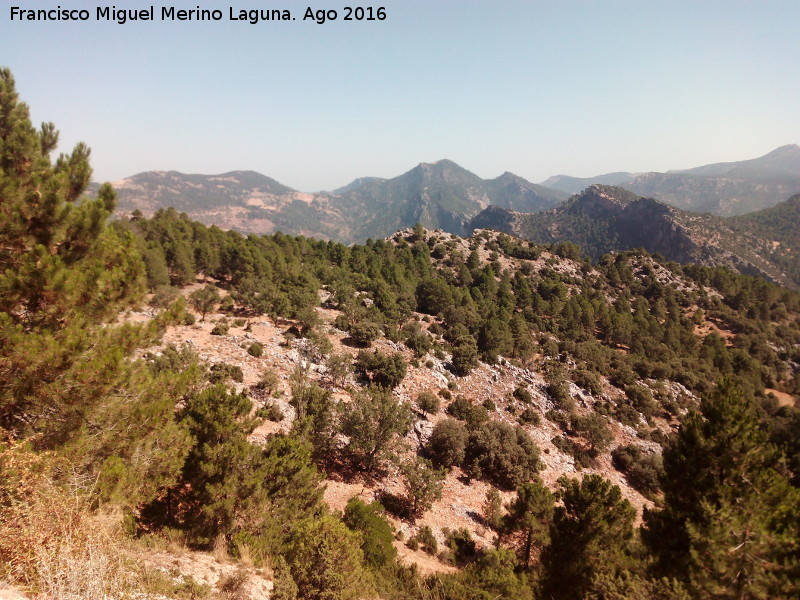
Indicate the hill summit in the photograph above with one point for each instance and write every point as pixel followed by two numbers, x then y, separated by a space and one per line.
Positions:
pixel 439 195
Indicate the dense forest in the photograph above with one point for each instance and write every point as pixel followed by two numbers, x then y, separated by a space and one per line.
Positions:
pixel 111 440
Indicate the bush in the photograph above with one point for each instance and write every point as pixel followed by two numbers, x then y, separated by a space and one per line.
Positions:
pixel 270 411
pixel 642 399
pixel 448 443
pixel 422 484
pixel 582 458
pixel 643 471
pixel 461 544
pixel 385 370
pixel 465 355
pixel 417 339
pixel 221 327
pixel 588 380
pixel 374 421
pixel 377 536
pixel 463 409
pixel 530 416
pixel 522 394
pixel 428 403
pixel 558 390
pixel 594 428
pixel 226 305
pixel 365 332
pixel 268 381
pixel 425 539
pixel 255 349
pixel 502 454
pixel 220 372
pixel 326 560
pixel 339 368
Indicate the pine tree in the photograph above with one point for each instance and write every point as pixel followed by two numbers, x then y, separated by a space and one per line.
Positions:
pixel 529 518
pixel 204 300
pixel 62 274
pixel 591 537
pixel 326 561
pixel 725 529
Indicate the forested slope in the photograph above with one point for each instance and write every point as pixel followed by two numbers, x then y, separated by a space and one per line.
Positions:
pixel 100 417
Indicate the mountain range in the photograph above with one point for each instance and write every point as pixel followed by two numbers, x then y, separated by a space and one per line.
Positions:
pixel 602 219
pixel 439 195
pixel 662 212
pixel 724 189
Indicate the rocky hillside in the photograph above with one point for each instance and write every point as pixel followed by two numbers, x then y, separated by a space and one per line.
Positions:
pixel 554 396
pixel 603 219
pixel 439 195
pixel 185 411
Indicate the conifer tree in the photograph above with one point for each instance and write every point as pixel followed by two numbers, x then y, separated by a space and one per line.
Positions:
pixel 591 537
pixel 529 518
pixel 62 273
pixel 204 300
pixel 326 561
pixel 726 528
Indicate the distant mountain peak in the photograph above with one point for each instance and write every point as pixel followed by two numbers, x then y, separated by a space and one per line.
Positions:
pixel 788 148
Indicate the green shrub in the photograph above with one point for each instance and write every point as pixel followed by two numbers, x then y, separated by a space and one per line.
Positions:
pixel 530 416
pixel 461 544
pixel 268 381
pixel 594 428
pixel 473 414
pixel 582 458
pixel 364 332
pixel 465 355
pixel 502 454
pixel 427 541
pixel 377 536
pixel 270 411
pixel 222 371
pixel 221 327
pixel 428 403
pixel 386 370
pixel 447 443
pixel 642 399
pixel 643 471
pixel 226 305
pixel 522 394
pixel 255 349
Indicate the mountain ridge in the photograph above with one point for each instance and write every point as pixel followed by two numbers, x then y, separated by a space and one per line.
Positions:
pixel 724 189
pixel 441 194
pixel 605 219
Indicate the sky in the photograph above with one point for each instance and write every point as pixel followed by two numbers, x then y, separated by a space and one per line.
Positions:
pixel 534 87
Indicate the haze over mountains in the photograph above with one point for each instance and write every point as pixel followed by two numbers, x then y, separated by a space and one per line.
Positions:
pixel 438 195
pixel 724 189
pixel 652 211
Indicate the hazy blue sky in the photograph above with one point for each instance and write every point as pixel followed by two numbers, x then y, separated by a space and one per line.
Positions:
pixel 533 87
